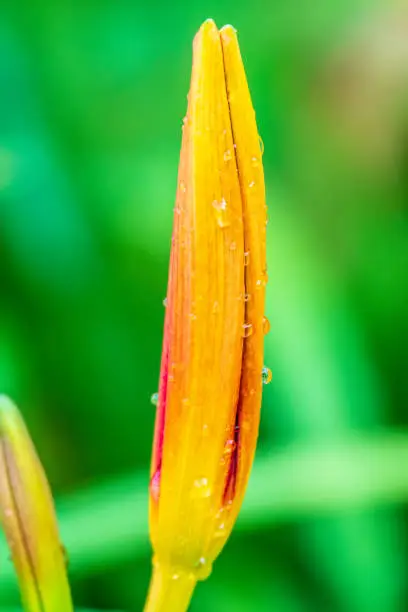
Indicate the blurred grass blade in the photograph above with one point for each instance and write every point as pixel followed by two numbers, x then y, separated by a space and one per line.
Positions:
pixel 28 518
pixel 325 378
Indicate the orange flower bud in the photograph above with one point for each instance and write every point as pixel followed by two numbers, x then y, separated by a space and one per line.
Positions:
pixel 211 371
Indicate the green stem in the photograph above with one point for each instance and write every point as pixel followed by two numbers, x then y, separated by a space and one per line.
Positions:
pixel 169 590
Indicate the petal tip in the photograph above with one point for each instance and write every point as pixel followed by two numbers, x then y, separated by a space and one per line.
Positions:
pixel 228 33
pixel 209 29
pixel 207 32
pixel 209 24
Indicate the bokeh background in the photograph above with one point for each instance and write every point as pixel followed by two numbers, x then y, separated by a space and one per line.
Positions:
pixel 91 106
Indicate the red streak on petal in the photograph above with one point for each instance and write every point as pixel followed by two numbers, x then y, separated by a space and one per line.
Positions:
pixel 155 485
pixel 162 398
pixel 230 483
pixel 161 411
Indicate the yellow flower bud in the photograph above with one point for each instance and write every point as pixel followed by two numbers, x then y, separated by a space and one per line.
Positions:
pixel 28 518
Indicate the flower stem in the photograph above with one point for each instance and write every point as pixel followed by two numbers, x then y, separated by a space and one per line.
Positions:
pixel 169 590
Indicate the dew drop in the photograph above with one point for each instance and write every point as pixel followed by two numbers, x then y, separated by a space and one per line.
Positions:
pixel 266 375
pixel 155 486
pixel 201 488
pixel 230 446
pixel 246 258
pixel 154 399
pixel 262 282
pixel 247 330
pixel 220 205
pixel 220 531
pixel 165 302
pixel 182 186
pixel 255 161
pixel 222 211
pixel 203 568
pixel 266 325
pixel 261 145
pixel 233 246
pixel 227 155
pixel 251 184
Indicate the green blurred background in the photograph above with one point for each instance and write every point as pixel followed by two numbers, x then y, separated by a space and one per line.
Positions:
pixel 91 106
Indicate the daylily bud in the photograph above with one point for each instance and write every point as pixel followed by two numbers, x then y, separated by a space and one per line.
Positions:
pixel 211 371
pixel 28 518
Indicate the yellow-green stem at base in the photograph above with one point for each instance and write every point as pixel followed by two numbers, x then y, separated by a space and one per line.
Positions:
pixel 169 590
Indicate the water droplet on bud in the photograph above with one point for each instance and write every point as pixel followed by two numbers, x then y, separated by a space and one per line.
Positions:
pixel 201 488
pixel 222 212
pixel 247 330
pixel 154 399
pixel 220 531
pixel 203 568
pixel 230 446
pixel 266 375
pixel 266 325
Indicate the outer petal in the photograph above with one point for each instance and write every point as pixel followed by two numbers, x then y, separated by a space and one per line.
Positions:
pixel 28 518
pixel 204 320
pixel 250 170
